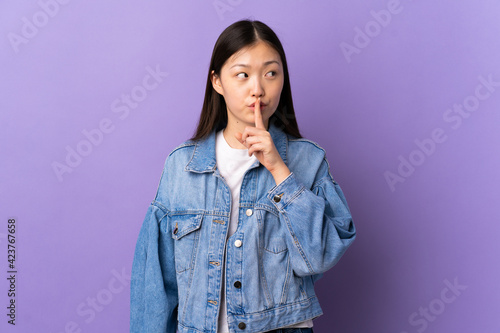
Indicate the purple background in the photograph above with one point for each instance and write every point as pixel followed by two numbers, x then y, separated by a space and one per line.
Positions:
pixel 77 233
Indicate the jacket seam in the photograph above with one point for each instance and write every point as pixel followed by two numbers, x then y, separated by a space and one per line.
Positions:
pixel 319 184
pixel 262 274
pixel 268 208
pixel 277 308
pixel 318 147
pixel 183 145
pixel 308 141
pixel 190 280
pixel 287 278
pixel 297 244
pixel 293 197
pixel 160 206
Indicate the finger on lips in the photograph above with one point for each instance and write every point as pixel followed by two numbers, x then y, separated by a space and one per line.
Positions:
pixel 258 115
pixel 248 137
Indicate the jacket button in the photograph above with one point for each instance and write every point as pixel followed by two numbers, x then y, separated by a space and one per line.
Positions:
pixel 249 212
pixel 237 243
pixel 242 326
pixel 237 284
pixel 277 198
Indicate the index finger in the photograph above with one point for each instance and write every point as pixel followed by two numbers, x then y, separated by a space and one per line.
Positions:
pixel 258 115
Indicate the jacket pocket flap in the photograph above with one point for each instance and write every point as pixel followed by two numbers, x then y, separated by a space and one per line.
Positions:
pixel 184 224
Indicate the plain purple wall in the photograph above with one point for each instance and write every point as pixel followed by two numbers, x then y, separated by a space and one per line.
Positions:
pixel 396 92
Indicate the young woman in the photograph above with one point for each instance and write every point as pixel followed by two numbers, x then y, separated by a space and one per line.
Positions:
pixel 247 215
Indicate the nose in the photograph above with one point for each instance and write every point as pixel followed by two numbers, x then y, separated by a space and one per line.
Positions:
pixel 257 87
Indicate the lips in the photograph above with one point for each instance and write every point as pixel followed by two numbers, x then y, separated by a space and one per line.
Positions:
pixel 261 105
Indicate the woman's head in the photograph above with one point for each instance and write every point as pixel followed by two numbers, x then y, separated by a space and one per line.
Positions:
pixel 247 43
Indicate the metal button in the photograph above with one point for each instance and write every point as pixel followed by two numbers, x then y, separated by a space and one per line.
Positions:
pixel 277 198
pixel 237 243
pixel 249 212
pixel 242 326
pixel 237 284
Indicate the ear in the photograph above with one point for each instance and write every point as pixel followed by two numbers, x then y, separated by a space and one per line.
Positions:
pixel 216 83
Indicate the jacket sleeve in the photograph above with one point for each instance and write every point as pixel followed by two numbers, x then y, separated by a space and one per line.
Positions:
pixel 153 286
pixel 318 220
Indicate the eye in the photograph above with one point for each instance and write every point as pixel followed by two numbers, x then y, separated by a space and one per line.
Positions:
pixel 240 75
pixel 274 73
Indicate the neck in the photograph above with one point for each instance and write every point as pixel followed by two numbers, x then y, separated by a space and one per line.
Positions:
pixel 231 140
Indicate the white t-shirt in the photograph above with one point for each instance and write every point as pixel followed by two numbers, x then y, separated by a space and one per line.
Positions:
pixel 232 164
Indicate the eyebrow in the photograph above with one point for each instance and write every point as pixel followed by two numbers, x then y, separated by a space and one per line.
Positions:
pixel 265 64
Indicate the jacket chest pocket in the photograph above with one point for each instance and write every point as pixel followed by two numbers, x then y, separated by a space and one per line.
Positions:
pixel 272 233
pixel 186 234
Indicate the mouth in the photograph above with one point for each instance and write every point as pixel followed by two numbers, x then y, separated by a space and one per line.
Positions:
pixel 261 105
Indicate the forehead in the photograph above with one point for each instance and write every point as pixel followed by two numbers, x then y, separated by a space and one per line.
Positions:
pixel 258 53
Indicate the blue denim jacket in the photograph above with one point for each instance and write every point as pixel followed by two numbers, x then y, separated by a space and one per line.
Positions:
pixel 288 235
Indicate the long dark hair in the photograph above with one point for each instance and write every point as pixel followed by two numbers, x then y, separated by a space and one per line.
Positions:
pixel 235 37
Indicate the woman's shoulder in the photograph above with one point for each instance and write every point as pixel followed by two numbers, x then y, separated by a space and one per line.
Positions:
pixel 307 159
pixel 294 143
pixel 184 147
pixel 180 155
pixel 196 151
pixel 304 145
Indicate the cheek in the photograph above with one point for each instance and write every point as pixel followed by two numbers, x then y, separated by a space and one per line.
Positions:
pixel 277 90
pixel 277 95
pixel 234 96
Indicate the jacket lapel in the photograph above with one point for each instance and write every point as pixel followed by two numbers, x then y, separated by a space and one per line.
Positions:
pixel 203 158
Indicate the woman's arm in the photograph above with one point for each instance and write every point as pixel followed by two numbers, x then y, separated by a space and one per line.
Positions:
pixel 153 288
pixel 318 220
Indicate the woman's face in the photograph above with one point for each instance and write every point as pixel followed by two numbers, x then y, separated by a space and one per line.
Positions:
pixel 251 73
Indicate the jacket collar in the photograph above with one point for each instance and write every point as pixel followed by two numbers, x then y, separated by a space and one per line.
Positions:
pixel 203 159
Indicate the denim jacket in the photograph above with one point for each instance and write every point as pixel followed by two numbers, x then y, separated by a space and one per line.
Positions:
pixel 288 235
